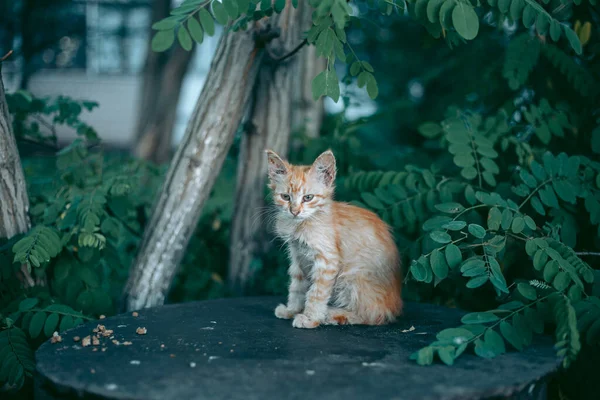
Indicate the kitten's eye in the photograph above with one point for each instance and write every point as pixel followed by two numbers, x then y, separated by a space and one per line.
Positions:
pixel 286 197
pixel 308 197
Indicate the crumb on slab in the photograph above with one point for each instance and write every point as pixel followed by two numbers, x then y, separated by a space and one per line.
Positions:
pixel 86 341
pixel 76 338
pixel 135 314
pixel 102 316
pixel 141 331
pixel 56 338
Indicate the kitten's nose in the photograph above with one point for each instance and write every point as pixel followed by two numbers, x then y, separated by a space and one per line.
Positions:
pixel 295 213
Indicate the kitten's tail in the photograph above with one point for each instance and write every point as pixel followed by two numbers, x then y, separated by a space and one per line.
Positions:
pixel 340 316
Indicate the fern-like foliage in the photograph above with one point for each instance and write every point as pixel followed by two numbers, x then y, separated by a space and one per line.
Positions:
pixel 560 179
pixel 588 319
pixel 533 14
pixel 580 78
pixel 37 247
pixel 567 335
pixel 403 199
pixel 522 55
pixel 547 121
pixel 16 357
pixel 43 322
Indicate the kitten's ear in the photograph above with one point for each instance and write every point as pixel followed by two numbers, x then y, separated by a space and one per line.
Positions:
pixel 324 168
pixel 277 167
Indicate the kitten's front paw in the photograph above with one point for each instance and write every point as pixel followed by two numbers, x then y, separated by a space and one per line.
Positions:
pixel 302 321
pixel 283 312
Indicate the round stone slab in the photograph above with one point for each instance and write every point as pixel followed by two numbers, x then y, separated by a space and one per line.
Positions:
pixel 238 349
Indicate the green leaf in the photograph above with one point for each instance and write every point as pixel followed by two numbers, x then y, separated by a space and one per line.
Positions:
pixel 28 304
pixel 51 324
pixel 326 84
pixel 494 219
pixel 454 225
pixel 438 264
pixel 208 24
pixel 372 89
pixel 453 255
pixel 219 12
pixel 162 41
pixel 455 336
pixel 232 8
pixel 435 223
pixel 561 281
pixel 465 20
pixel 418 271
pixel 469 173
pixel 529 222
pixel 66 323
pixel 494 342
pixel 479 318
pixel 424 356
pixel 476 282
pixel 447 354
pixel 37 324
pixel 477 230
pixel 527 291
pixel 518 225
pixel 537 205
pixel 355 68
pixel 551 270
pixel 195 30
pixel 440 237
pixel 539 259
pixel 528 179
pixel 511 335
pixel 450 208
pixel 166 24
pixel 372 201
pixel 184 38
pixel 573 39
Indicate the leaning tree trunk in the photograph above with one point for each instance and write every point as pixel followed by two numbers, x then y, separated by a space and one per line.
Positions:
pixel 269 127
pixel 218 113
pixel 158 119
pixel 14 202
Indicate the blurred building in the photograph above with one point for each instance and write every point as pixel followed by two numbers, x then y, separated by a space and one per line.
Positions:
pixel 102 61
pixel 101 56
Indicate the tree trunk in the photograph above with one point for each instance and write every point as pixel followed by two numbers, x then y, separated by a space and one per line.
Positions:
pixel 210 132
pixel 308 114
pixel 269 127
pixel 161 85
pixel 14 202
pixel 157 121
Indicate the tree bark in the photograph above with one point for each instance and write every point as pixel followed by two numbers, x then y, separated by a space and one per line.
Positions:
pixel 161 85
pixel 14 202
pixel 157 120
pixel 276 97
pixel 308 114
pixel 199 158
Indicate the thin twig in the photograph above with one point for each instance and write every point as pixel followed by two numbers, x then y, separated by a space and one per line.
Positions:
pixel 5 57
pixel 588 253
pixel 291 53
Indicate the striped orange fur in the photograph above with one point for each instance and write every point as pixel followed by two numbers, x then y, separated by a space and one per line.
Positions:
pixel 344 264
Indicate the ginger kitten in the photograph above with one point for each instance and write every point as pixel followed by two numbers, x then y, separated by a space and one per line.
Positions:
pixel 345 267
